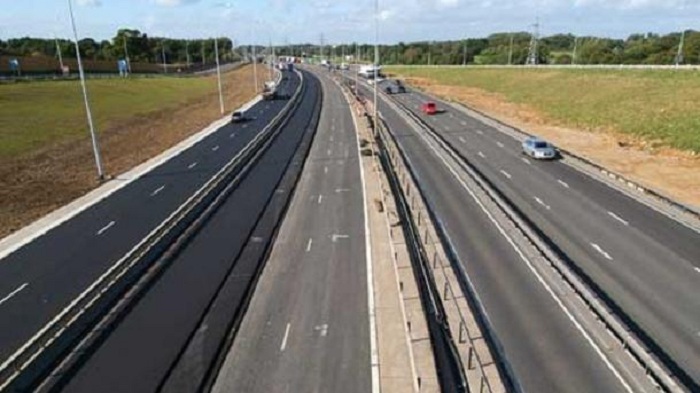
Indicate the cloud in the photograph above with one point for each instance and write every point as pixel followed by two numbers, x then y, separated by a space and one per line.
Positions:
pixel 90 3
pixel 175 3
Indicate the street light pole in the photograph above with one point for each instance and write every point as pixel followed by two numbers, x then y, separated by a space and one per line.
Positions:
pixel 255 70
pixel 376 60
pixel 218 74
pixel 126 54
pixel 88 111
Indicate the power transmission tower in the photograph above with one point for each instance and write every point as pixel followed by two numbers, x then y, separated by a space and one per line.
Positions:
pixel 679 55
pixel 573 55
pixel 533 55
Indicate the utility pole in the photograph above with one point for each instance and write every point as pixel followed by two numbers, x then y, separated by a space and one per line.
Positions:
pixel 464 61
pixel 88 111
pixel 255 69
pixel 357 68
pixel 218 74
pixel 679 55
pixel 204 62
pixel 165 65
pixel 430 53
pixel 510 51
pixel 320 48
pixel 573 55
pixel 126 53
pixel 187 53
pixel 60 55
pixel 533 55
pixel 376 61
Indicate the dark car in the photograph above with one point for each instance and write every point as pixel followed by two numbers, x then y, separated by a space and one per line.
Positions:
pixel 237 117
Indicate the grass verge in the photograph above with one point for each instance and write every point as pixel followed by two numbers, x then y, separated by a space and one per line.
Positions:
pixel 660 107
pixel 45 152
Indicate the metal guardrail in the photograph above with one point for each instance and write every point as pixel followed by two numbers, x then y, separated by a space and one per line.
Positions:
pixel 474 361
pixel 44 349
pixel 449 366
pixel 584 287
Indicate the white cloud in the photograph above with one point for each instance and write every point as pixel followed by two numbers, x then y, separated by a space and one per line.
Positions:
pixel 90 3
pixel 174 3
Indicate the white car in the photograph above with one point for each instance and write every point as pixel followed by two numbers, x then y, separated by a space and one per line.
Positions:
pixel 539 149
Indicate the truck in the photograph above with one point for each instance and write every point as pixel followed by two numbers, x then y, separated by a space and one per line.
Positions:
pixel 269 92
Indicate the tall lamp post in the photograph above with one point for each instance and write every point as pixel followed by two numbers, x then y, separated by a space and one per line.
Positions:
pixel 218 74
pixel 88 111
pixel 376 60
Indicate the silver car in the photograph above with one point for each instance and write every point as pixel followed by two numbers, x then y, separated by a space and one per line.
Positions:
pixel 539 149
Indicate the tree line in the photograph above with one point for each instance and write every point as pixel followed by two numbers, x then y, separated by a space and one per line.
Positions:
pixel 498 48
pixel 513 48
pixel 139 47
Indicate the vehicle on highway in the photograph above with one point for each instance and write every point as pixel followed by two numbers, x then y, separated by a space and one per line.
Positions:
pixel 395 88
pixel 269 92
pixel 429 108
pixel 237 117
pixel 344 66
pixel 539 149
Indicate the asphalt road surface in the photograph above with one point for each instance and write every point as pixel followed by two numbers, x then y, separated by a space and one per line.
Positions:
pixel 307 328
pixel 40 279
pixel 138 353
pixel 648 263
pixel 542 346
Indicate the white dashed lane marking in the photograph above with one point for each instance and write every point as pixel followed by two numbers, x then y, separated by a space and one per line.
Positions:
pixel 105 228
pixel 563 183
pixel 525 160
pixel 157 191
pixel 284 339
pixel 546 206
pixel 308 244
pixel 618 218
pixel 601 251
pixel 481 155
pixel 215 148
pixel 506 174
pixel 192 165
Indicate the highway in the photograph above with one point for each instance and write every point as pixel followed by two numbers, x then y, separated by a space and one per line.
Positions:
pixel 307 328
pixel 645 261
pixel 543 348
pixel 140 353
pixel 40 279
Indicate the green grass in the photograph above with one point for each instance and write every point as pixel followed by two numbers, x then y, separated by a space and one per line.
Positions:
pixel 660 106
pixel 35 114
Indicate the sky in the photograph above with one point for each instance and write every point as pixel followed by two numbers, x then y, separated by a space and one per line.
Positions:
pixel 336 21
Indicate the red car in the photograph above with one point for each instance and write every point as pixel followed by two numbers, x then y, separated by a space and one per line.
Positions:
pixel 429 108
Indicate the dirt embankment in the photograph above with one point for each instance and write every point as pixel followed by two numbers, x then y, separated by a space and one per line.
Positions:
pixel 672 172
pixel 36 183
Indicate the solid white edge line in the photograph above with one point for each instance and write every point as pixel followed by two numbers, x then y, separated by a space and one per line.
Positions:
pixel 534 271
pixel 374 353
pixel 286 336
pixel 13 293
